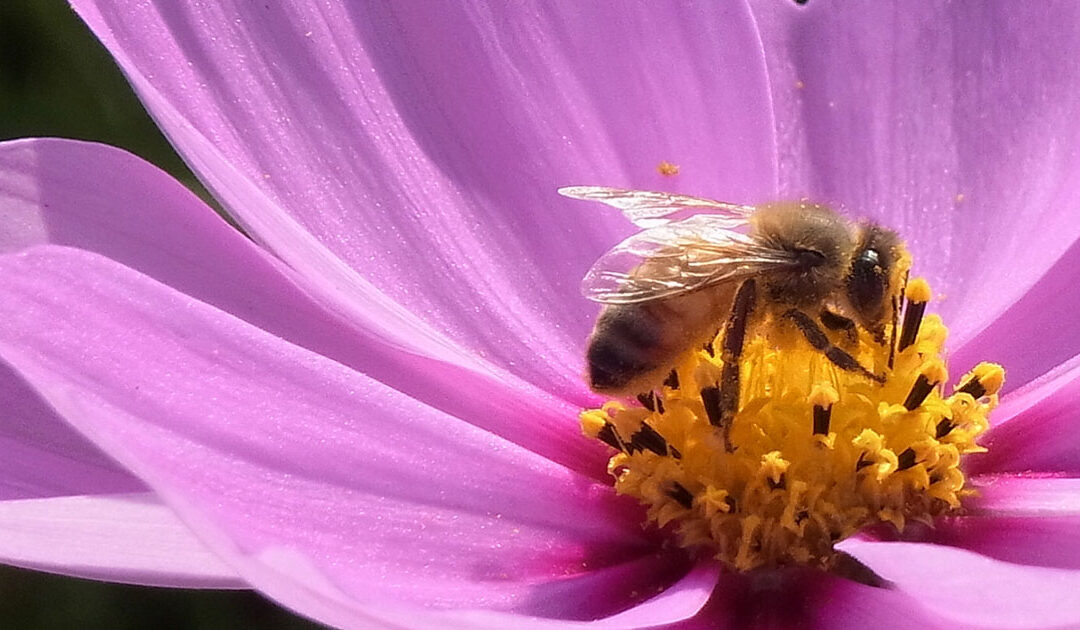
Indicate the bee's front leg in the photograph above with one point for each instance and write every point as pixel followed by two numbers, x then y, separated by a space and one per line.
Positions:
pixel 820 342
pixel 839 323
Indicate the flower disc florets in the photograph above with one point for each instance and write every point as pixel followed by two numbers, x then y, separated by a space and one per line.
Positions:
pixel 816 452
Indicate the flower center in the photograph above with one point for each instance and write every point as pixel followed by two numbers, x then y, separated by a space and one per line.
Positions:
pixel 816 452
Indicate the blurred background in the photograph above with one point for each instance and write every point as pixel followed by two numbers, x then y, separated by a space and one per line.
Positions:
pixel 57 80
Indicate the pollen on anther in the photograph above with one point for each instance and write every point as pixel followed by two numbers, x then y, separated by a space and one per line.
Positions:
pixel 930 377
pixel 917 295
pixel 681 495
pixel 905 459
pixel 985 379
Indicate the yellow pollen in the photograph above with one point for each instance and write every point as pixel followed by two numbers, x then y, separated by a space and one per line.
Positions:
pixel 817 452
pixel 918 290
pixel 823 395
pixel 667 169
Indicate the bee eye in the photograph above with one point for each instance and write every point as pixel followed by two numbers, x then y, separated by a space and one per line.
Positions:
pixel 866 283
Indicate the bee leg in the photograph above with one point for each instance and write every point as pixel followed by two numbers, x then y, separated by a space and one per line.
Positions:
pixel 722 401
pixel 837 322
pixel 817 338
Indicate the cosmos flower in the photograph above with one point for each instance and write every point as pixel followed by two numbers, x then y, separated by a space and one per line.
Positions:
pixel 369 411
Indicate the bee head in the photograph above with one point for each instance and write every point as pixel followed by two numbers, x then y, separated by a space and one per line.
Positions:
pixel 868 281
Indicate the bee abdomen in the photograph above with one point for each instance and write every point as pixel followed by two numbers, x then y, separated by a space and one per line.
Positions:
pixel 623 346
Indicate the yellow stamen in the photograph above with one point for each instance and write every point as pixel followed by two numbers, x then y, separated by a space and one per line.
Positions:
pixel 817 452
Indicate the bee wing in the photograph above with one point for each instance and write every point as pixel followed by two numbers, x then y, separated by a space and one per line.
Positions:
pixel 677 258
pixel 649 208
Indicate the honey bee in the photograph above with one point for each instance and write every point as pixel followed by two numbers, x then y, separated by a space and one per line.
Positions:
pixel 674 284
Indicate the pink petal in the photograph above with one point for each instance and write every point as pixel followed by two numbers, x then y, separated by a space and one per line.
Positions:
pixel 1037 332
pixel 674 604
pixel 841 604
pixel 968 588
pixel 279 574
pixel 120 538
pixel 1017 519
pixel 274 454
pixel 1026 496
pixel 806 598
pixel 1036 427
pixel 41 456
pixel 108 201
pixel 685 597
pixel 895 111
pixel 419 151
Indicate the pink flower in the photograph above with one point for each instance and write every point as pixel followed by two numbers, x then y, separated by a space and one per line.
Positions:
pixel 371 414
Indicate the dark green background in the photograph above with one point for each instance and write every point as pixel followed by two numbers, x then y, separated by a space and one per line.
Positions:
pixel 57 80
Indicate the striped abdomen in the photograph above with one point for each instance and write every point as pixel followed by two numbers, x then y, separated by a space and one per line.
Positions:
pixel 634 346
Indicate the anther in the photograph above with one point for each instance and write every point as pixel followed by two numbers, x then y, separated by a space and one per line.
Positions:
pixel 609 436
pixel 823 397
pixel 681 495
pixel 822 416
pixel 713 400
pixel 984 380
pixel 973 387
pixel 917 294
pixel 919 391
pixel 647 438
pixel 672 380
pixel 932 375
pixel 906 459
pixel 892 331
pixel 821 419
pixel 943 428
pixel 651 401
pixel 710 397
pixel 773 467
pixel 646 400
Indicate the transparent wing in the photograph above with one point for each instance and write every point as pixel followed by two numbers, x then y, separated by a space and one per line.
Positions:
pixel 677 258
pixel 649 209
